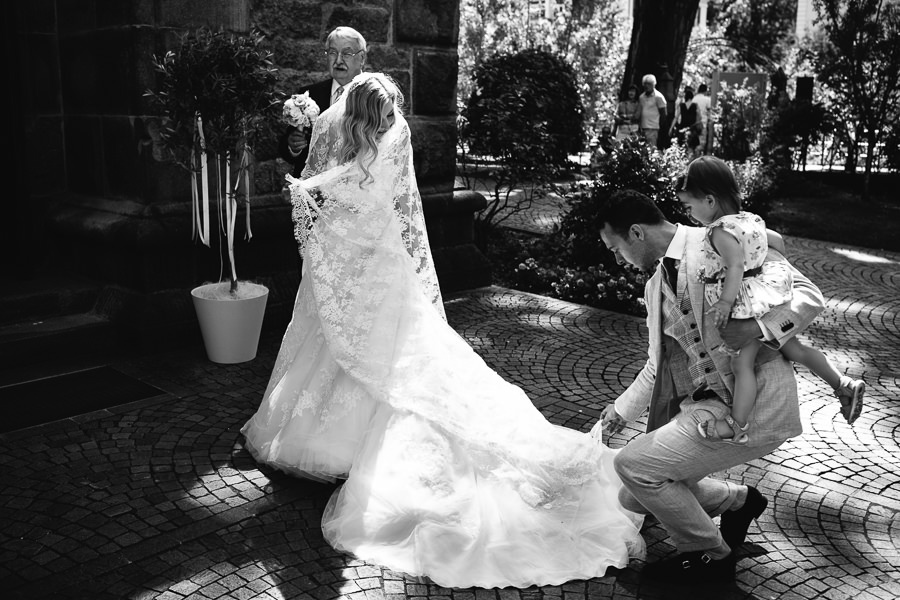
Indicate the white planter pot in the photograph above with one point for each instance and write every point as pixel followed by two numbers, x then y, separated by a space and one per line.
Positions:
pixel 230 326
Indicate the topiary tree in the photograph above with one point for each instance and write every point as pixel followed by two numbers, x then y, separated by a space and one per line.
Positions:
pixel 216 92
pixel 523 120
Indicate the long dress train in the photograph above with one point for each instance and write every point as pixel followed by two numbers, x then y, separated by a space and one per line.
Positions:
pixel 451 472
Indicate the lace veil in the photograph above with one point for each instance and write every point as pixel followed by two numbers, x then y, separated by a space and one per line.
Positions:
pixel 369 281
pixel 394 185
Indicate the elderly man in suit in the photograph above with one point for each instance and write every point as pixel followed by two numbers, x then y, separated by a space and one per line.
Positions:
pixel 345 51
pixel 687 380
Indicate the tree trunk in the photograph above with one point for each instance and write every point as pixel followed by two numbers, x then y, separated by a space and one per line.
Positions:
pixel 871 144
pixel 659 41
pixel 853 150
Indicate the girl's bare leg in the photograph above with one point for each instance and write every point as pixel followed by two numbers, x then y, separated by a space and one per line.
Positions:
pixel 744 368
pixel 812 359
pixel 849 391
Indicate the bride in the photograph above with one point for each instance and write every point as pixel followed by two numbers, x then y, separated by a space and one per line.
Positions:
pixel 450 472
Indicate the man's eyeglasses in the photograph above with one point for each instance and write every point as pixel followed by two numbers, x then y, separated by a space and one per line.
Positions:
pixel 345 54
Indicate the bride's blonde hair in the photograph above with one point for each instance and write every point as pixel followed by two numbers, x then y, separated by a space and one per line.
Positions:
pixel 366 97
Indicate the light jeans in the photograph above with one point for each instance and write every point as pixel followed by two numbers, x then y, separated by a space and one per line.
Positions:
pixel 665 474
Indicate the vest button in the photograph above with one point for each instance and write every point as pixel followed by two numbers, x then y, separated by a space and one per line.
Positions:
pixel 693 326
pixel 685 311
pixel 696 340
pixel 707 369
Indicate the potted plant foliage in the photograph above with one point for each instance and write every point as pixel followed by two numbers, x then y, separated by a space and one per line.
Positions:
pixel 216 92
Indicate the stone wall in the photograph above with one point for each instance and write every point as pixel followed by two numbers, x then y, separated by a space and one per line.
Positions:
pixel 111 210
pixel 415 42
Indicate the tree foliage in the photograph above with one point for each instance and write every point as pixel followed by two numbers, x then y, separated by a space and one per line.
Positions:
pixel 799 125
pixel 760 32
pixel 227 79
pixel 525 107
pixel 525 114
pixel 217 94
pixel 858 57
pixel 632 165
pixel 740 116
pixel 708 51
pixel 589 35
pixel 572 263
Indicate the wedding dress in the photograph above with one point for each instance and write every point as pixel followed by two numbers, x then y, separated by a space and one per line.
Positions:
pixel 451 473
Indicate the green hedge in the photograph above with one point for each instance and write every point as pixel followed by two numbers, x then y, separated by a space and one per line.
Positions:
pixel 573 264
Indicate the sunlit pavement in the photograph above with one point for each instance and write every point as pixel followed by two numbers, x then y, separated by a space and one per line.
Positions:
pixel 158 499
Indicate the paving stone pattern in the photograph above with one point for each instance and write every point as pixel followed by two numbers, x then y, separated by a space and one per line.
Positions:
pixel 158 498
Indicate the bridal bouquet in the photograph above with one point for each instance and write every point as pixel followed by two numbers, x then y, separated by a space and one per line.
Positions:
pixel 300 111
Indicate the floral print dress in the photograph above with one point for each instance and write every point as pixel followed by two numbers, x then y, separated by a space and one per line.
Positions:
pixel 764 285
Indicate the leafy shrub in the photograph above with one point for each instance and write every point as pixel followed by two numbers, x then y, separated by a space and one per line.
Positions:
pixel 592 37
pixel 632 165
pixel 756 179
pixel 740 117
pixel 573 264
pixel 523 120
pixel 525 109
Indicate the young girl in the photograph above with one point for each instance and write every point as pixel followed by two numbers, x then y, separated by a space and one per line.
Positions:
pixel 740 285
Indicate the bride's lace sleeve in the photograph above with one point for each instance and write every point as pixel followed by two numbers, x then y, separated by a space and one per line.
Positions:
pixel 325 144
pixel 324 148
pixel 393 185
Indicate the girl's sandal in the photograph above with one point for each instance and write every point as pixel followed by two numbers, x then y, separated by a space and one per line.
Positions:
pixel 708 430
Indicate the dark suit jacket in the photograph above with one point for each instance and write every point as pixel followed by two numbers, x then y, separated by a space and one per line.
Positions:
pixel 321 93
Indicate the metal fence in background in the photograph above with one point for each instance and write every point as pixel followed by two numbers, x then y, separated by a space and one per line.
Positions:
pixel 830 154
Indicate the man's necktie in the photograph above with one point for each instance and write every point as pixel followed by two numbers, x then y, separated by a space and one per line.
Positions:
pixel 671 271
pixel 337 94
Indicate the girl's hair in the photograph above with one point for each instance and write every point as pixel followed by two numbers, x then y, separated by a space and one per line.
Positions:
pixel 367 95
pixel 712 176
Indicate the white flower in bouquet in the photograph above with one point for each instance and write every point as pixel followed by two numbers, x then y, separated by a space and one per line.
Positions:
pixel 300 111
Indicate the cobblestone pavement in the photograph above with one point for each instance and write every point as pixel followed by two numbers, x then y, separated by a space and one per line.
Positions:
pixel 540 215
pixel 158 498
